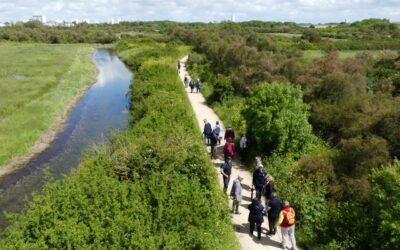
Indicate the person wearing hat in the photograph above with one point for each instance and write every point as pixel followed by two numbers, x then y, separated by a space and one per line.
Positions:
pixel 236 194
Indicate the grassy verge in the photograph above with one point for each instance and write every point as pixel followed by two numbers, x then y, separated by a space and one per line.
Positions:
pixel 152 187
pixel 37 83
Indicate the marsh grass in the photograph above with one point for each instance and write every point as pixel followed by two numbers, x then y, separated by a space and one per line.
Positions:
pixel 37 82
pixel 310 55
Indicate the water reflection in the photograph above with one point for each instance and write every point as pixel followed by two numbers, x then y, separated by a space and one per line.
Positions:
pixel 102 108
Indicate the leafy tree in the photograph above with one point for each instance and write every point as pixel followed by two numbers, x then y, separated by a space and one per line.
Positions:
pixel 386 207
pixel 277 118
pixel 311 35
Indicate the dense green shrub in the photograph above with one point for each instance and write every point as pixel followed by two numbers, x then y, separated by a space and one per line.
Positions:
pixel 277 119
pixel 386 207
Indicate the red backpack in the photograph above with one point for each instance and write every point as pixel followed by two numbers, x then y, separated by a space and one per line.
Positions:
pixel 229 148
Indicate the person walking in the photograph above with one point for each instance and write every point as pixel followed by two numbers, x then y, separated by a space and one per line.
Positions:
pixel 236 194
pixel 258 162
pixel 229 133
pixel 287 223
pixel 218 131
pixel 243 142
pixel 186 80
pixel 229 149
pixel 226 170
pixel 258 181
pixel 268 188
pixel 273 208
pixel 207 131
pixel 198 86
pixel 178 65
pixel 213 143
pixel 256 216
pixel 191 85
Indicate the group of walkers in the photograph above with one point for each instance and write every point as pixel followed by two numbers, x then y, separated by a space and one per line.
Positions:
pixel 263 184
pixel 278 213
pixel 192 84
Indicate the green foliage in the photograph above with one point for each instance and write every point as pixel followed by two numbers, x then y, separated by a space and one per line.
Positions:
pixel 310 204
pixel 386 207
pixel 152 187
pixel 311 35
pixel 277 119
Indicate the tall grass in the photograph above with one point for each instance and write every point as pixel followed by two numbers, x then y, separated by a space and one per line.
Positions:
pixel 37 82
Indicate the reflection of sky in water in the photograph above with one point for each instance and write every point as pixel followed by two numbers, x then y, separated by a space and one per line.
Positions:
pixel 110 70
pixel 101 109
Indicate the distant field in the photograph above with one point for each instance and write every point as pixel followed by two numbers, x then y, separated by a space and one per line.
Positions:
pixel 310 55
pixel 37 82
pixel 285 34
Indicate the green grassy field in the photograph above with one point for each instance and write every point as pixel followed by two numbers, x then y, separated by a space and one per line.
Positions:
pixel 37 82
pixel 310 55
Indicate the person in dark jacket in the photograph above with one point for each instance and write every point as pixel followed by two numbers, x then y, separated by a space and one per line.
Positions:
pixel 274 208
pixel 258 181
pixel 226 170
pixel 256 216
pixel 268 188
pixel 207 131
pixel 213 143
pixel 191 85
pixel 229 133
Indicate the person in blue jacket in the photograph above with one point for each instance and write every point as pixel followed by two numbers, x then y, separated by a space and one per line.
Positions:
pixel 259 180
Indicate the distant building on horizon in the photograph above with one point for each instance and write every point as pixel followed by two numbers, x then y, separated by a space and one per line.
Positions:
pixel 39 18
pixel 233 19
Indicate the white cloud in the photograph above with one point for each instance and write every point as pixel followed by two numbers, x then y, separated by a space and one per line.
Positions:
pixel 203 10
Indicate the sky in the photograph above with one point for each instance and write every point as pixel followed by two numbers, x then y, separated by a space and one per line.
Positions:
pixel 300 11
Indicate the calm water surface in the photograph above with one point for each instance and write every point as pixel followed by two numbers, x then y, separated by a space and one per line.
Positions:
pixel 101 109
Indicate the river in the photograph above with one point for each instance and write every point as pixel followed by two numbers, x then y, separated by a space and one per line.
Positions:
pixel 102 108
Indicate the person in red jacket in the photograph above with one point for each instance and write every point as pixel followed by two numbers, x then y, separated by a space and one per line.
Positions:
pixel 229 133
pixel 287 223
pixel 229 149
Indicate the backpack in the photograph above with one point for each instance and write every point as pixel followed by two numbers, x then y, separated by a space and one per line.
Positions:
pixel 290 217
pixel 229 149
pixel 217 130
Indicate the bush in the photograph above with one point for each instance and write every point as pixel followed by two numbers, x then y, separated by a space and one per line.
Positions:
pixel 277 119
pixel 386 207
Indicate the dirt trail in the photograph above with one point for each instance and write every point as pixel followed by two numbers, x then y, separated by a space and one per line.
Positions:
pixel 241 225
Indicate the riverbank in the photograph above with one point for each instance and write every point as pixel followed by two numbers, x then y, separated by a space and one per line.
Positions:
pixel 151 187
pixel 53 101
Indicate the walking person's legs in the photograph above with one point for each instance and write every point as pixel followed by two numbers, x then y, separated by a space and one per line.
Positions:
pixel 292 237
pixel 270 225
pixel 258 193
pixel 252 224
pixel 259 231
pixel 235 206
pixel 284 232
pixel 226 183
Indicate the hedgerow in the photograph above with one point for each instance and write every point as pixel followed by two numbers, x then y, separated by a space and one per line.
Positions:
pixel 151 187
